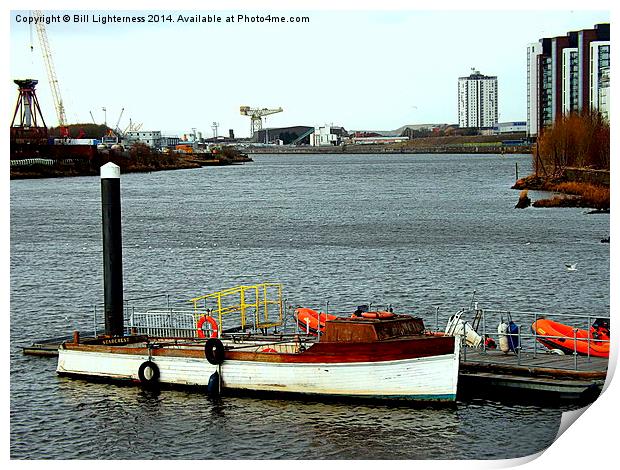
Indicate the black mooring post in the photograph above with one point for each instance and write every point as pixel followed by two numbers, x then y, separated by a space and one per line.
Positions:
pixel 112 248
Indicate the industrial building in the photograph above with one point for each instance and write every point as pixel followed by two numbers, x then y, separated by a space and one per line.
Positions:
pixel 292 135
pixel 327 135
pixel 378 140
pixel 169 141
pixel 477 101
pixel 510 127
pixel 150 138
pixel 567 74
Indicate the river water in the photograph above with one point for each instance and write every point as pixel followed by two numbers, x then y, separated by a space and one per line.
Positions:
pixel 415 231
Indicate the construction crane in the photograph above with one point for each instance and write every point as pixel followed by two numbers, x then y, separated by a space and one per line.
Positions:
pixel 133 127
pixel 51 72
pixel 256 116
pixel 117 129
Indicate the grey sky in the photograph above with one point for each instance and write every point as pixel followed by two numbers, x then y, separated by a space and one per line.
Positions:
pixel 358 69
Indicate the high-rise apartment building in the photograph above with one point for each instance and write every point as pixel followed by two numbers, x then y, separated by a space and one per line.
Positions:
pixel 570 80
pixel 534 51
pixel 567 74
pixel 477 101
pixel 599 77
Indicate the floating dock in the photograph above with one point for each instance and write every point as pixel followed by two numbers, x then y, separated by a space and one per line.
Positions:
pixel 45 348
pixel 541 374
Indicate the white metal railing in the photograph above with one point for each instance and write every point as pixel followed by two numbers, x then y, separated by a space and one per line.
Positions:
pixel 165 322
pixel 486 321
pixel 148 315
pixel 33 161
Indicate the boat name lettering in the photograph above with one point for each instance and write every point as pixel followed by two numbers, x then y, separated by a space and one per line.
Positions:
pixel 116 341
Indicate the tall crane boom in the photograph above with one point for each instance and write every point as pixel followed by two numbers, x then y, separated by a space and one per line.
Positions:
pixel 117 130
pixel 256 115
pixel 49 65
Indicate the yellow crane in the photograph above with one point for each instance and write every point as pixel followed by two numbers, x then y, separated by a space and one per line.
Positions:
pixel 256 115
pixel 51 72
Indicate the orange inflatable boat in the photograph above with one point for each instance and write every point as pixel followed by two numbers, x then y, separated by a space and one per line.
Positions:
pixel 381 315
pixel 311 320
pixel 556 335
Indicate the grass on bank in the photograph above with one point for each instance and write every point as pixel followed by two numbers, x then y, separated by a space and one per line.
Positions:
pixel 597 196
pixel 579 195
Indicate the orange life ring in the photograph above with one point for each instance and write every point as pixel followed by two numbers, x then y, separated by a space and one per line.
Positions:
pixel 204 319
pixel 269 350
pixel 381 315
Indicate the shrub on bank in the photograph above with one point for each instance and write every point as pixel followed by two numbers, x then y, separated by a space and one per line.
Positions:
pixel 575 140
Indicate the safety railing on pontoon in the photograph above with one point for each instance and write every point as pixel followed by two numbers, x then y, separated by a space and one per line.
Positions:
pixel 526 340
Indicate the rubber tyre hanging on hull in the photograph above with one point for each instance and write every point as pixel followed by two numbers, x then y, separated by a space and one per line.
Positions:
pixel 214 351
pixel 148 373
pixel 213 388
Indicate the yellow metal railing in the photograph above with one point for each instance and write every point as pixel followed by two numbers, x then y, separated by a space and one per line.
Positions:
pixel 256 305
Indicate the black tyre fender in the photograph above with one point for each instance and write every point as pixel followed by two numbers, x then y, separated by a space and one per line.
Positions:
pixel 154 375
pixel 213 388
pixel 214 351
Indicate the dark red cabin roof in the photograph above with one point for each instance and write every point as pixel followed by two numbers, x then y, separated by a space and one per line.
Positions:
pixel 347 330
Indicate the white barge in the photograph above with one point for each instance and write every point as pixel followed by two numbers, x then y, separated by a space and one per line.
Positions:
pixel 355 357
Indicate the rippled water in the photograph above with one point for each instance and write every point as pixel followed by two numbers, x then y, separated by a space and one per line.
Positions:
pixel 416 231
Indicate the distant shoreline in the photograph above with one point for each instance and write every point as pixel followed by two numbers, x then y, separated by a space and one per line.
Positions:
pixel 162 162
pixel 381 149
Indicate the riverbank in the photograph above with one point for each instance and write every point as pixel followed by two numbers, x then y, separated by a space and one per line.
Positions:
pixel 479 144
pixel 140 163
pixel 387 149
pixel 57 161
pixel 74 167
pixel 578 187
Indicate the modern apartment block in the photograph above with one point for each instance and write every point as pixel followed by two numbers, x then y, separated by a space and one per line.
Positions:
pixel 599 77
pixel 477 101
pixel 567 74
